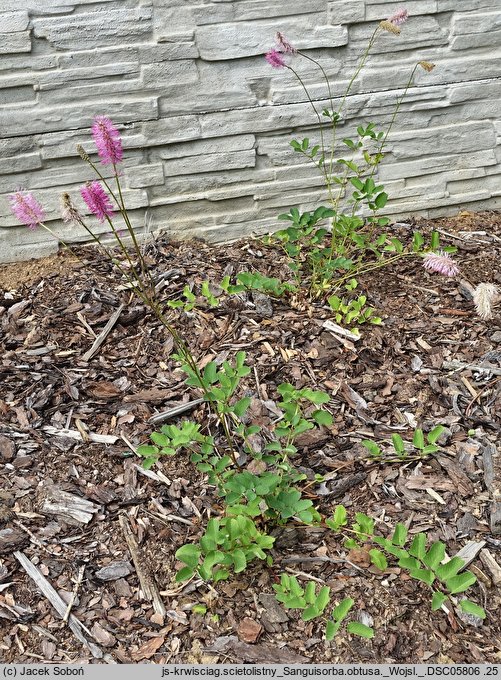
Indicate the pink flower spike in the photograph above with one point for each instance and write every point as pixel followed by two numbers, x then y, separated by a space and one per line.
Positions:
pixel 27 209
pixel 440 262
pixel 108 140
pixel 97 200
pixel 399 18
pixel 283 44
pixel 275 59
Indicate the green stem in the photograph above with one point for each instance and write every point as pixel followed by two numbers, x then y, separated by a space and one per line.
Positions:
pixel 144 269
pixel 371 267
pixel 320 128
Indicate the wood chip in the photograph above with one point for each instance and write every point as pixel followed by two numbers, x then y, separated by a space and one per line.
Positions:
pixel 67 506
pixel 59 605
pixel 491 565
pixel 469 552
pixel 148 585
pixel 249 630
pixel 339 330
pixel 103 335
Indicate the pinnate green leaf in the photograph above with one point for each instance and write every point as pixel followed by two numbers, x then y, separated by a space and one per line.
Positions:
pixel 424 575
pixel 322 417
pixel 330 630
pixel 342 609
pixel 435 434
pixel 189 554
pixel 418 439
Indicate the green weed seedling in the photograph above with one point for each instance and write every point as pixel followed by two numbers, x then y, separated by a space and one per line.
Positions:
pixel 352 311
pixel 420 447
pixel 312 605
pixel 228 544
pixel 428 565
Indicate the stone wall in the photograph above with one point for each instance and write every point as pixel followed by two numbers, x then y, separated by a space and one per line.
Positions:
pixel 206 122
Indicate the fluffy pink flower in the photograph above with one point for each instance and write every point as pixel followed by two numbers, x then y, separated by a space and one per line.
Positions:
pixel 399 18
pixel 97 200
pixel 108 141
pixel 27 209
pixel 440 262
pixel 275 59
pixel 283 44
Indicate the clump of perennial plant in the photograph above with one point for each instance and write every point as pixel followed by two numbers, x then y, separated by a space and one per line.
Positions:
pixel 107 204
pixel 356 241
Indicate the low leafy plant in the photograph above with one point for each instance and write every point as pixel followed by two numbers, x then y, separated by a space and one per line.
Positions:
pixel 420 447
pixel 229 543
pixel 428 565
pixel 312 605
pixel 352 311
pixel 270 488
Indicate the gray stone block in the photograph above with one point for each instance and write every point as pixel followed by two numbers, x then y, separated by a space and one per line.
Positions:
pixel 205 147
pixel 443 140
pixel 38 120
pixel 91 30
pixel 385 9
pixel 169 73
pixel 22 62
pixel 49 80
pixel 346 11
pixel 141 176
pixel 190 165
pixel 14 21
pixel 21 163
pixel 245 10
pixel 245 38
pixel 418 32
pixel 11 43
pixel 170 130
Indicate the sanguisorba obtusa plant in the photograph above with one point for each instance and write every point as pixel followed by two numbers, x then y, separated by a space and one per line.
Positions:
pixel 104 199
pixel 357 241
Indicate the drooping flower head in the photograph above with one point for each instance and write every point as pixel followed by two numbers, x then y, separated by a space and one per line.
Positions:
pixel 27 209
pixel 440 262
pixel 97 200
pixel 399 18
pixel 275 59
pixel 388 26
pixel 484 296
pixel 283 44
pixel 426 65
pixel 108 140
pixel 69 211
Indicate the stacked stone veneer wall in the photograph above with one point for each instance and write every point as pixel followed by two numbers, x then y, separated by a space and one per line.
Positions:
pixel 206 122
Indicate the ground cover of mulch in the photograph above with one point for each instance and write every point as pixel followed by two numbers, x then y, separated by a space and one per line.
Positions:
pixel 78 513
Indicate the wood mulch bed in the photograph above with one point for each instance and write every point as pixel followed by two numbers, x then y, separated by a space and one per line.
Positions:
pixel 82 516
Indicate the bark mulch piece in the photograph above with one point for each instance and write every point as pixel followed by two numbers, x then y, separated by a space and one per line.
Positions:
pixel 84 369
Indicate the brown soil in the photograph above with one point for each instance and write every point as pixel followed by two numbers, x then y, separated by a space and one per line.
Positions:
pixel 394 377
